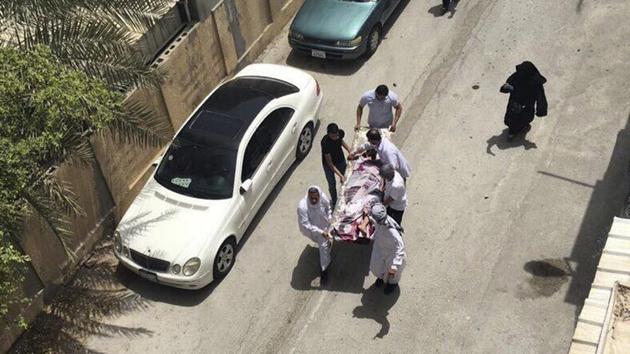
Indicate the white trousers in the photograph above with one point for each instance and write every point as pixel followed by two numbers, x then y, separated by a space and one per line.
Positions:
pixel 325 246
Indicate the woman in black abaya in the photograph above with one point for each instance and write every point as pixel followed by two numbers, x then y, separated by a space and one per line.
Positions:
pixel 527 96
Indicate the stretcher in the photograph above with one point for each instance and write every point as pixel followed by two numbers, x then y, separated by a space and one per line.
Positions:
pixel 362 188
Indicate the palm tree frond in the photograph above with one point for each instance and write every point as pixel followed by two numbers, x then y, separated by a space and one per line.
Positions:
pixel 54 218
pixel 61 195
pixel 140 125
pixel 77 149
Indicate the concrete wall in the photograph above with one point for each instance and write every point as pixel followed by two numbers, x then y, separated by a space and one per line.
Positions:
pixel 195 66
pixel 229 35
pixel 123 165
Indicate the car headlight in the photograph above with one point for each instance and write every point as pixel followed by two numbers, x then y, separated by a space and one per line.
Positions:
pixel 353 43
pixel 175 268
pixel 118 246
pixel 191 267
pixel 296 35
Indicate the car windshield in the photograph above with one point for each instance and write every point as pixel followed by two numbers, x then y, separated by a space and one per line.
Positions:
pixel 197 171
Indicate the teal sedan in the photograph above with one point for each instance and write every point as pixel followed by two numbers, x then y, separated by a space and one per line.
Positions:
pixel 340 29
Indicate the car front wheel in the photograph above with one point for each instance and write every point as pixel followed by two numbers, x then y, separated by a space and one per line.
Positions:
pixel 374 40
pixel 224 260
pixel 305 141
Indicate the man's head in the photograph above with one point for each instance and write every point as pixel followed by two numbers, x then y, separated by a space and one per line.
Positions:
pixel 379 213
pixel 333 131
pixel 374 136
pixel 381 92
pixel 313 195
pixel 371 153
pixel 387 171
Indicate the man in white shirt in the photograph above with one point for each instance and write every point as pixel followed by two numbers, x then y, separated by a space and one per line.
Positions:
pixel 381 102
pixel 387 152
pixel 395 198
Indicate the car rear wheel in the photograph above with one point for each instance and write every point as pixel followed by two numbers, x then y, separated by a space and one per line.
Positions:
pixel 374 40
pixel 305 141
pixel 224 260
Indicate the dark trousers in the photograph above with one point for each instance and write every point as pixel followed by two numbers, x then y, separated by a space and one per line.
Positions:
pixel 396 215
pixel 332 181
pixel 446 3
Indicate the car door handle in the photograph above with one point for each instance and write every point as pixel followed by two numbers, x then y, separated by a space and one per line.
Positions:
pixel 294 127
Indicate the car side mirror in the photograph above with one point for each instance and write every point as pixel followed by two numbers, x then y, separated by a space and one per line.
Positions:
pixel 157 161
pixel 246 186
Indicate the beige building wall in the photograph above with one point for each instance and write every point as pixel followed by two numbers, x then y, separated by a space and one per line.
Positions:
pixel 123 165
pixel 194 66
pixel 254 17
pixel 48 258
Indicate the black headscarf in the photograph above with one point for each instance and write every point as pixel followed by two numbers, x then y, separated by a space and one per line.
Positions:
pixel 527 73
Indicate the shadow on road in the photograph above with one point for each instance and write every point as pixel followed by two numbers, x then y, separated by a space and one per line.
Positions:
pixel 307 270
pixel 394 17
pixel 500 141
pixel 341 67
pixel 579 6
pixel 82 308
pixel 436 10
pixel 346 273
pixel 162 293
pixel 375 305
pixel 607 201
pixel 325 66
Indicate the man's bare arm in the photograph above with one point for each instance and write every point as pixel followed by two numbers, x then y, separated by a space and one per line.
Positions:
pixel 397 115
pixel 345 146
pixel 330 164
pixel 359 115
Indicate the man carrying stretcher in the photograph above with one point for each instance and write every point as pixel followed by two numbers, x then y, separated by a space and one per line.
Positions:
pixel 388 153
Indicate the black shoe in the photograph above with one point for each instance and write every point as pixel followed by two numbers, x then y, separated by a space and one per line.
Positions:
pixel 390 288
pixel 510 137
pixel 323 277
pixel 379 282
pixel 444 10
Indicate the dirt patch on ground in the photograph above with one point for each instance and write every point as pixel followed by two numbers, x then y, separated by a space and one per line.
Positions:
pixel 618 338
pixel 622 303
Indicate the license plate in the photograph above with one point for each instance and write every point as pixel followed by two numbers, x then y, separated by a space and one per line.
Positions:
pixel 148 275
pixel 318 54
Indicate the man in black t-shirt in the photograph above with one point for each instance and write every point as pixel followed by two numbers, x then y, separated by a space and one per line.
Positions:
pixel 333 159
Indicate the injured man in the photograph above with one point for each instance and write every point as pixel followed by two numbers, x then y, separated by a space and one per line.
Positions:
pixel 362 190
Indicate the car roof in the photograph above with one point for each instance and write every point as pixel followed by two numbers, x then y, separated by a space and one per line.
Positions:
pixel 223 118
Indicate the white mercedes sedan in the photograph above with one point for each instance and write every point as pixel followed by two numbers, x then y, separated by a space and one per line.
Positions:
pixel 183 227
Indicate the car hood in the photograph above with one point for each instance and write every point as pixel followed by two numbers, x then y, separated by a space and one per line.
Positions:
pixel 332 19
pixel 170 226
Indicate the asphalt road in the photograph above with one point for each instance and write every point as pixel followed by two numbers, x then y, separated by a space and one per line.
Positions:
pixel 502 238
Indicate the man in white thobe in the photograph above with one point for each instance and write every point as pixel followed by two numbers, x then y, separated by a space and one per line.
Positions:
pixel 314 215
pixel 388 251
